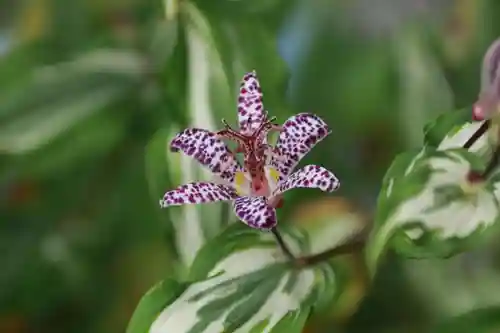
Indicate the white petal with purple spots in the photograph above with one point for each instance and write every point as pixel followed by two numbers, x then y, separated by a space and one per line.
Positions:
pixel 310 176
pixel 197 193
pixel 300 134
pixel 208 150
pixel 255 212
pixel 250 108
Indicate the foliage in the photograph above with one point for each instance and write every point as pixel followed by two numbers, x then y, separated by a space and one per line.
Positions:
pixel 92 93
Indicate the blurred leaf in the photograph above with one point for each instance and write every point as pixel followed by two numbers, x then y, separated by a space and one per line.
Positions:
pixel 63 95
pixel 484 320
pixel 333 220
pixel 90 138
pixel 236 9
pixel 152 303
pixel 255 47
pixel 247 277
pixel 164 42
pixel 424 88
pixel 327 221
pixel 428 209
pixel 190 225
pixel 456 285
pixel 210 91
pixel 160 173
pixel 32 21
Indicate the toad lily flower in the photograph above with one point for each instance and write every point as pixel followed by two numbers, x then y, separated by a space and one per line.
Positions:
pixel 256 209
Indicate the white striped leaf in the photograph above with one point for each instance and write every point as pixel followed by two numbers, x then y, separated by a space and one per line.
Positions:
pixel 452 130
pixel 427 208
pixel 251 286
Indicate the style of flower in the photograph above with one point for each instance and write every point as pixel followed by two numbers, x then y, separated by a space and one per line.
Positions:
pixel 254 126
pixel 256 209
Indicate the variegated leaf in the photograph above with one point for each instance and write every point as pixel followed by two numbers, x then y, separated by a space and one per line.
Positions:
pixel 427 208
pixel 251 286
pixel 452 130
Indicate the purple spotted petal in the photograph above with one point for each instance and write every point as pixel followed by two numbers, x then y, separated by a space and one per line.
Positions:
pixel 300 134
pixel 197 193
pixel 208 150
pixel 250 108
pixel 310 176
pixel 255 212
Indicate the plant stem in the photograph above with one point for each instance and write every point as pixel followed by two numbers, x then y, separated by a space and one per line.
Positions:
pixel 492 164
pixel 477 134
pixel 282 244
pixel 351 247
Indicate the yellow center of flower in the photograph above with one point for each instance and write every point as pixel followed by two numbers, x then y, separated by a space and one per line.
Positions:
pixel 242 181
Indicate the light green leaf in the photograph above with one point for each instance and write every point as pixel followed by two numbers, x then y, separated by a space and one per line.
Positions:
pixel 60 96
pixel 452 130
pixel 444 124
pixel 427 208
pixel 425 90
pixel 152 303
pixel 164 41
pixel 91 138
pixel 235 9
pixel 212 91
pixel 456 285
pixel 255 47
pixel 251 286
pixel 207 90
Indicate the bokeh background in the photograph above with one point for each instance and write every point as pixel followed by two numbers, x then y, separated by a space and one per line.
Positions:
pixel 91 90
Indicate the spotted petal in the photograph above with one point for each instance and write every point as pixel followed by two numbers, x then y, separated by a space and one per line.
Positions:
pixel 250 108
pixel 197 193
pixel 255 212
pixel 208 150
pixel 300 134
pixel 310 176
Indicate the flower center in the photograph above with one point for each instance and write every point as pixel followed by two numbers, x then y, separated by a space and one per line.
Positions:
pixel 263 185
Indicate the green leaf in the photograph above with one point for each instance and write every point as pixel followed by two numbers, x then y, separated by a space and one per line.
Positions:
pixel 251 286
pixel 424 89
pixel 239 9
pixel 152 303
pixel 428 209
pixel 164 41
pixel 211 91
pixel 61 96
pixel 255 47
pixel 452 130
pixel 446 123
pixel 91 138
pixel 484 320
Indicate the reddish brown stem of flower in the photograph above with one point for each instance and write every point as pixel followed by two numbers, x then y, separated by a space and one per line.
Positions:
pixel 477 134
pixel 348 248
pixel 281 243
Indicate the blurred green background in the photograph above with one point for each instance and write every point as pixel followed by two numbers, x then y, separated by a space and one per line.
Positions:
pixel 90 92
